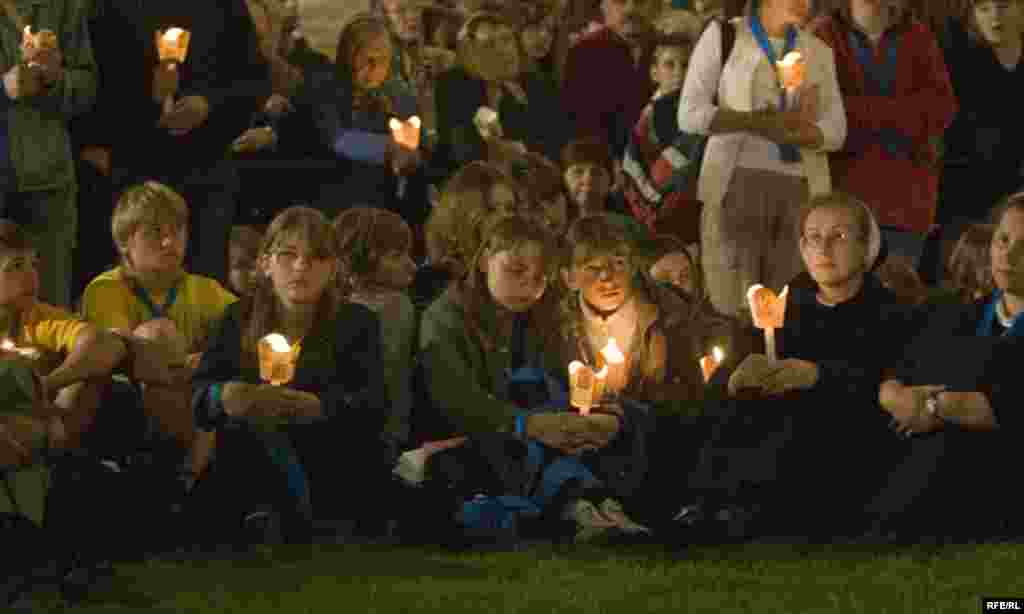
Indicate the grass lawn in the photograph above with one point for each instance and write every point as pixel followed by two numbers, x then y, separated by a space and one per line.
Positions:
pixel 589 580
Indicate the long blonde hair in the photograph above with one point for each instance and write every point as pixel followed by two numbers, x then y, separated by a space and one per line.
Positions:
pixel 263 313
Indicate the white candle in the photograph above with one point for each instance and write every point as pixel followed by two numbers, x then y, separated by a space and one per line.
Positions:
pixel 768 312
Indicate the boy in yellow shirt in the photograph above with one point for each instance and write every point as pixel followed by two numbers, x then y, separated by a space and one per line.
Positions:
pixel 73 356
pixel 150 296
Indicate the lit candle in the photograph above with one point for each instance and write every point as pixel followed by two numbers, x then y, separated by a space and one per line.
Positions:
pixel 406 133
pixel 172 45
pixel 172 49
pixel 709 364
pixel 768 312
pixel 488 122
pixel 25 352
pixel 615 363
pixel 44 40
pixel 581 387
pixel 277 359
pixel 791 71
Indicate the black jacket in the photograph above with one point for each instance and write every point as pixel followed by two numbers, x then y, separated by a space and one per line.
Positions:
pixel 339 362
pixel 224 64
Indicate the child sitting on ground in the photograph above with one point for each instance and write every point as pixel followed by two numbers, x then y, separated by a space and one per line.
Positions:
pixel 150 296
pixel 377 268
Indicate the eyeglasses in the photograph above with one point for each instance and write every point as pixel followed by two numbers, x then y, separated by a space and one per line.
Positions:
pixel 288 258
pixel 817 240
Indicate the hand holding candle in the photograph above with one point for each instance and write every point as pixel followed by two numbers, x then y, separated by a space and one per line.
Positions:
pixel 768 311
pixel 277 359
pixel 710 363
pixel 172 49
pixel 791 71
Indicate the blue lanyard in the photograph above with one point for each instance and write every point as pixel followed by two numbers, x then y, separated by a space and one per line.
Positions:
pixel 766 46
pixel 158 312
pixel 988 320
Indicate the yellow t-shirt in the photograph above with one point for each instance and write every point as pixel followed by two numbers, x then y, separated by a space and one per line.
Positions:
pixel 110 302
pixel 48 328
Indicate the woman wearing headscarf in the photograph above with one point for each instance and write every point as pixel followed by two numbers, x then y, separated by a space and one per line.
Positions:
pixel 814 410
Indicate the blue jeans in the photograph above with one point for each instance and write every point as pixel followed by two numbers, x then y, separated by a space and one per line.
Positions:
pixel 904 243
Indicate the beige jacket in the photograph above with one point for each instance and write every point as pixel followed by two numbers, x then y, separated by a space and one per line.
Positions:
pixel 733 85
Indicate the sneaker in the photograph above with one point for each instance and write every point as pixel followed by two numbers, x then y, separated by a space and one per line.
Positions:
pixel 261 527
pixel 603 521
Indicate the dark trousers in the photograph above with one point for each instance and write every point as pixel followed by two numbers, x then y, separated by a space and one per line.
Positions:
pixel 95 251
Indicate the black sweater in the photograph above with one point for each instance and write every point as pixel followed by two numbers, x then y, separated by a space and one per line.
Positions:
pixel 340 362
pixel 224 64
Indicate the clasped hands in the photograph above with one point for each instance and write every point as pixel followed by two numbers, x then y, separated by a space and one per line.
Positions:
pixel 572 433
pixel 907 405
pixel 773 377
pixel 797 124
pixel 267 401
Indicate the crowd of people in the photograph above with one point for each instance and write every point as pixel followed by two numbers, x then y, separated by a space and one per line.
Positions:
pixel 512 251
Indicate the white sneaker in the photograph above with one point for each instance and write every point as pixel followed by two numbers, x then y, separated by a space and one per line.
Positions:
pixel 601 521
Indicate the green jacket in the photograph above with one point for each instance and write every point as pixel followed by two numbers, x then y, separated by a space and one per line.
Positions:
pixel 37 127
pixel 464 381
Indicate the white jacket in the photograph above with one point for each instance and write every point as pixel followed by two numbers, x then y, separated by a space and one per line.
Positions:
pixel 734 85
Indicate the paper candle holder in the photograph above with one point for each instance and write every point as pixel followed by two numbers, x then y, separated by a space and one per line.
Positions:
pixel 43 40
pixel 586 387
pixel 277 359
pixel 172 44
pixel 710 363
pixel 406 133
pixel 768 311
pixel 791 70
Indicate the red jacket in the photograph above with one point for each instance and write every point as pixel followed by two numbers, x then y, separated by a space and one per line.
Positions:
pixel 604 90
pixel 901 189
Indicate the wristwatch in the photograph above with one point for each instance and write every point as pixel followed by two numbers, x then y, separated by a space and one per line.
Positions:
pixel 931 404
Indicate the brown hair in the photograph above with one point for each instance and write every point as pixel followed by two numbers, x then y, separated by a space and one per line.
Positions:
pixel 500 233
pixel 898 274
pixel 970 264
pixel 145 203
pixel 837 201
pixel 589 237
pixel 247 238
pixel 359 31
pixel 541 182
pixel 13 237
pixel 454 226
pixel 1013 202
pixel 364 234
pixel 588 150
pixel 262 314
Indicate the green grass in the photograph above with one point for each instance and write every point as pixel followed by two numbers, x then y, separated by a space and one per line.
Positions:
pixel 754 578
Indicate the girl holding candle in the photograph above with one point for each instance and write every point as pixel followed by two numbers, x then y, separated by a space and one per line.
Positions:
pixel 353 108
pixel 606 299
pixel 336 394
pixel 482 350
pixel 374 246
pixel 767 145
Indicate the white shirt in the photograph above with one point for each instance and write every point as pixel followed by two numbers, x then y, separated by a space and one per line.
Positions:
pixel 759 153
pixel 735 86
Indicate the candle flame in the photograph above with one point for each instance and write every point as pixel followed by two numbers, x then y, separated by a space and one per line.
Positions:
pixel 173 34
pixel 277 342
pixel 612 353
pixel 7 344
pixel 718 354
pixel 791 58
